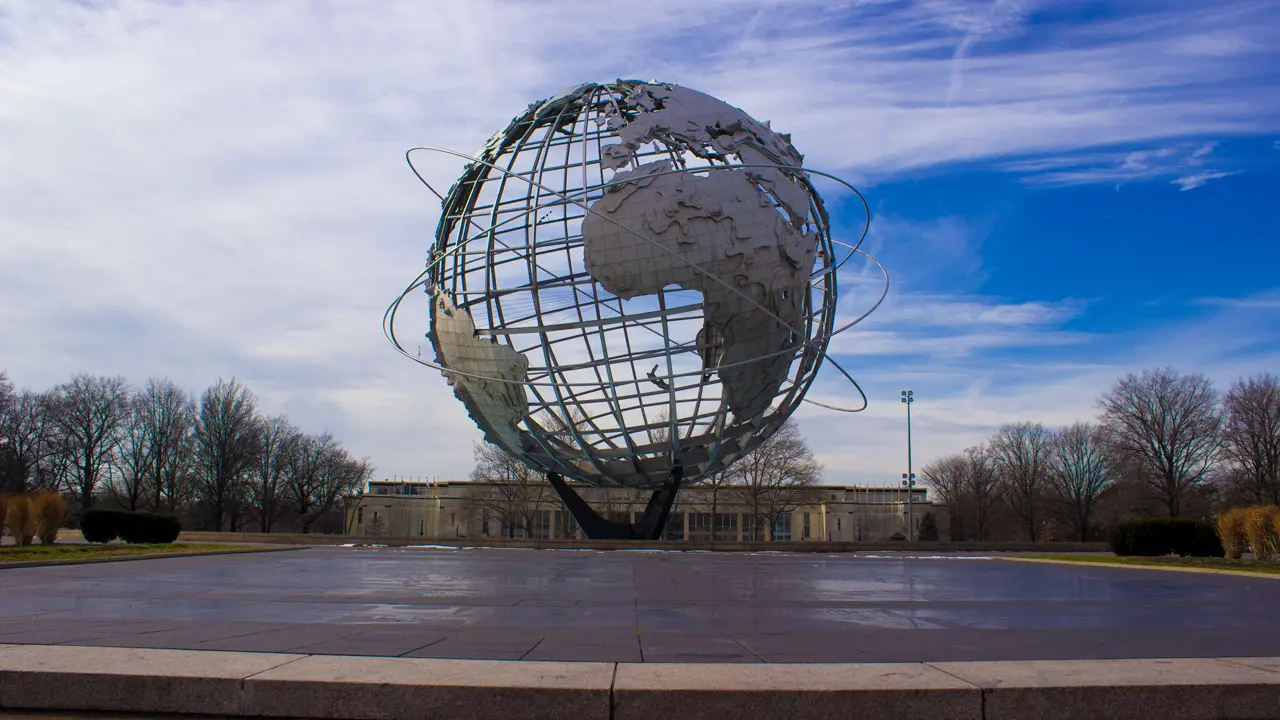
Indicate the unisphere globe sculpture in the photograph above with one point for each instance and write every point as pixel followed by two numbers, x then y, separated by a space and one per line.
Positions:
pixel 631 284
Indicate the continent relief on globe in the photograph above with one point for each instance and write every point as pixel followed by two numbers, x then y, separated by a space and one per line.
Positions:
pixel 496 406
pixel 720 233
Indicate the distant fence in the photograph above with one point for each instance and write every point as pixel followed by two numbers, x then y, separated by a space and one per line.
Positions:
pixel 781 546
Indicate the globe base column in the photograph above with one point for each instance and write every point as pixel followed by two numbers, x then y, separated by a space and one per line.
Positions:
pixel 595 527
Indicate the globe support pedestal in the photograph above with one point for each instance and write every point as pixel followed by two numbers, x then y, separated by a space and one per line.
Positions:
pixel 595 527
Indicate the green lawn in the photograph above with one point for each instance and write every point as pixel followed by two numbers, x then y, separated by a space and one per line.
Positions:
pixel 1263 568
pixel 62 553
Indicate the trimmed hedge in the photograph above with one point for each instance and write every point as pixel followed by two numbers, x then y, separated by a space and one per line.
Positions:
pixel 1154 537
pixel 100 526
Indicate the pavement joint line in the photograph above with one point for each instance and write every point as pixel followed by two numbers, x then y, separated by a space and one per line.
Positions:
pixel 613 702
pixel 242 695
pixel 1236 661
pixel 423 647
pixel 1124 566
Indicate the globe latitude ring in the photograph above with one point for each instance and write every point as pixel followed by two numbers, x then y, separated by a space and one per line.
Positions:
pixel 632 281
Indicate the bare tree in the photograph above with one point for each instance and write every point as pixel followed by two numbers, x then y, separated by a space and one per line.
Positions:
pixel 26 439
pixel 512 492
pixel 351 499
pixel 1080 470
pixel 318 472
pixel 1251 435
pixel 946 477
pixel 340 475
pixel 7 392
pixel 1020 452
pixel 226 445
pixel 1170 424
pixel 775 478
pixel 304 455
pixel 12 477
pixel 267 495
pixel 982 485
pixel 8 399
pixel 132 458
pixel 87 413
pixel 167 414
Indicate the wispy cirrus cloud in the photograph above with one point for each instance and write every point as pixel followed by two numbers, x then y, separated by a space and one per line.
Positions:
pixel 1181 163
pixel 1195 180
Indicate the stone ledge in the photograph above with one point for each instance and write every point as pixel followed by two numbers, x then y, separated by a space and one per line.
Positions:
pixel 363 688
pixel 56 677
pixel 797 691
pixel 230 684
pixel 1178 689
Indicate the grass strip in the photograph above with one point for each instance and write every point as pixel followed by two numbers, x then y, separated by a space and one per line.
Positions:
pixel 1171 562
pixel 72 553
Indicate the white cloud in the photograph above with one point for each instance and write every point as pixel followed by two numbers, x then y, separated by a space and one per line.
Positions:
pixel 1181 162
pixel 1191 182
pixel 1201 152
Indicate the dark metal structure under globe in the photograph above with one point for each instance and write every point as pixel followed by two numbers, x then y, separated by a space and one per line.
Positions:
pixel 632 284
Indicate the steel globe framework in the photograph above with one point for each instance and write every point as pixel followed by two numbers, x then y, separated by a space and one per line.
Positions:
pixel 633 284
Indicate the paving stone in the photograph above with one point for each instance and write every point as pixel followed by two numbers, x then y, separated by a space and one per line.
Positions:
pixel 389 643
pixel 692 647
pixel 286 639
pixel 574 644
pixel 186 638
pixel 460 648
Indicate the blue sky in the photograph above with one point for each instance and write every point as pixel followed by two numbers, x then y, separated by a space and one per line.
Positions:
pixel 1062 191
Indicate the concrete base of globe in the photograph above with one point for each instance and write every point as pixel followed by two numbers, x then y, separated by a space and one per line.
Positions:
pixel 596 527
pixel 39 681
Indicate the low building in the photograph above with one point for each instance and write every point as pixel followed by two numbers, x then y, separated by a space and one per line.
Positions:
pixel 453 509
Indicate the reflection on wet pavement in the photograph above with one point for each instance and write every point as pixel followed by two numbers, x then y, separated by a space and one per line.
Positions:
pixel 632 606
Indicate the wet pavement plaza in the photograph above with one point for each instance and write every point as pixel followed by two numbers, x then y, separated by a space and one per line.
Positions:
pixel 640 606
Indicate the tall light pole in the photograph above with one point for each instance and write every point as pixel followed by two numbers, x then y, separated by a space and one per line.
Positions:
pixel 908 477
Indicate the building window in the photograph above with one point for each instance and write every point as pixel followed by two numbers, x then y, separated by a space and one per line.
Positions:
pixel 360 515
pixel 837 524
pixel 700 526
pixel 782 527
pixel 725 526
pixel 806 526
pixel 541 525
pixel 422 527
pixel 484 525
